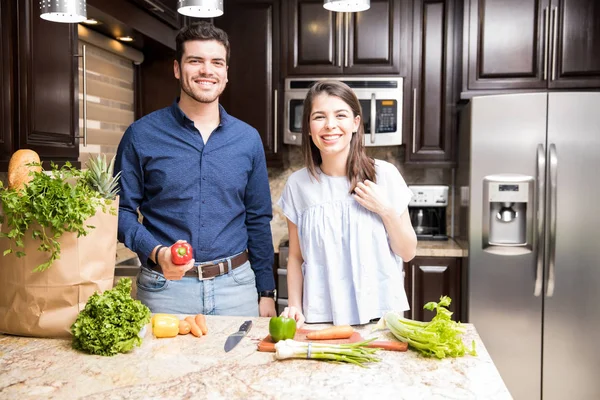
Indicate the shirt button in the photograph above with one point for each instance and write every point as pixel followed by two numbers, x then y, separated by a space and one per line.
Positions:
pixel 203 201
pixel 203 178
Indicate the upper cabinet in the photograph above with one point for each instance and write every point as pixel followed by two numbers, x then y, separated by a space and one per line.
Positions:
pixel 253 93
pixel 166 10
pixel 321 42
pixel 6 83
pixel 434 91
pixel 45 97
pixel 531 44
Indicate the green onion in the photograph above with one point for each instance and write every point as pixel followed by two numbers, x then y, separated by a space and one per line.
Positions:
pixel 355 353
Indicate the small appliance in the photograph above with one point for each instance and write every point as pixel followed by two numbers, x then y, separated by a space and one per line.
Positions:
pixel 427 211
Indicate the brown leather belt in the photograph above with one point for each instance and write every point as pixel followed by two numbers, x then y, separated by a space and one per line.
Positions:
pixel 211 270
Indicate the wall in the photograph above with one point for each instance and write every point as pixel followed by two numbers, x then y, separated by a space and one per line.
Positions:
pixel 393 154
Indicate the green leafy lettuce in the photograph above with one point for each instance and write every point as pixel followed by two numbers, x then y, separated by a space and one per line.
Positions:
pixel 110 322
pixel 441 337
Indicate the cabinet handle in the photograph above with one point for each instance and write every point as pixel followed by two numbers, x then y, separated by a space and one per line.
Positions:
pixel 435 269
pixel 414 121
pixel 554 28
pixel 413 280
pixel 154 6
pixel 275 121
pixel 546 40
pixel 346 39
pixel 340 21
pixel 84 75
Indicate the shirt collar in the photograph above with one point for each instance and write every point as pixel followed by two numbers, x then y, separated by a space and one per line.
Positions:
pixel 183 119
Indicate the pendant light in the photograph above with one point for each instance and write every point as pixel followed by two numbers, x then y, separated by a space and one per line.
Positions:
pixel 200 8
pixel 69 11
pixel 347 5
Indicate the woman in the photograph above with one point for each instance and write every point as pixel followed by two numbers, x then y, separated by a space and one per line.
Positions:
pixel 347 217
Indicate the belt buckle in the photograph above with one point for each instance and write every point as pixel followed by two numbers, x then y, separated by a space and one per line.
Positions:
pixel 201 272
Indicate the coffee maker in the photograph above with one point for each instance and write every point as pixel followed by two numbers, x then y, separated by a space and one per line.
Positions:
pixel 427 211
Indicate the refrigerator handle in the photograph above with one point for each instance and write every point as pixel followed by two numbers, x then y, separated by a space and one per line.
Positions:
pixel 541 189
pixel 552 194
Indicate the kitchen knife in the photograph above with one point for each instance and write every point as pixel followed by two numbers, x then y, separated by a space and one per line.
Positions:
pixel 235 338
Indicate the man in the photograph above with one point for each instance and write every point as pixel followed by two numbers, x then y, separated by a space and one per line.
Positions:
pixel 199 175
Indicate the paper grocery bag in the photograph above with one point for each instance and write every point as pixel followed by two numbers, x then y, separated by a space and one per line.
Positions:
pixel 45 304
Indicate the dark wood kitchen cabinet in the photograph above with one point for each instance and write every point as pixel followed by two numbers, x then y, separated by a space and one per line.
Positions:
pixel 516 45
pixel 435 89
pixel 321 42
pixel 45 94
pixel 253 93
pixel 165 10
pixel 427 279
pixel 6 82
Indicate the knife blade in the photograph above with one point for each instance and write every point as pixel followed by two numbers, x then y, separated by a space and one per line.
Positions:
pixel 236 337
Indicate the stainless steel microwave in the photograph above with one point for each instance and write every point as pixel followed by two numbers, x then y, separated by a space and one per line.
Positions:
pixel 380 99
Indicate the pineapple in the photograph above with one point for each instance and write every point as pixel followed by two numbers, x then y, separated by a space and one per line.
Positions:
pixel 100 176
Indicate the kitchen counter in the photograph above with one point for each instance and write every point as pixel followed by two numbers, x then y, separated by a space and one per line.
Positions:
pixel 190 367
pixel 441 248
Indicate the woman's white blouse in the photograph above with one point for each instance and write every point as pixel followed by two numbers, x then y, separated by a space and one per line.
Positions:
pixel 350 273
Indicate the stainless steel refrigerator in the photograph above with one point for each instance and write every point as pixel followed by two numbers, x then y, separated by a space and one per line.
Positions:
pixel 529 205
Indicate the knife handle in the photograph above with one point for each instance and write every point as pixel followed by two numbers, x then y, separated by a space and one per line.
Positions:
pixel 389 345
pixel 245 327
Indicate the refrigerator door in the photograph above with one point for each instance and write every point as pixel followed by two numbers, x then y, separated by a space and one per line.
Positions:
pixel 506 131
pixel 571 310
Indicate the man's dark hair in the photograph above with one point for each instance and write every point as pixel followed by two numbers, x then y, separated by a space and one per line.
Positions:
pixel 201 30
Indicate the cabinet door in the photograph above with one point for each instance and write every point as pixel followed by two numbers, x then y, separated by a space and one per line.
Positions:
pixel 6 85
pixel 48 86
pixel 372 40
pixel 433 93
pixel 166 10
pixel 429 278
pixel 252 92
pixel 505 43
pixel 575 44
pixel 314 38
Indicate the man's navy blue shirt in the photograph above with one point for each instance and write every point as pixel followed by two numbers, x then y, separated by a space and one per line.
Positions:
pixel 215 195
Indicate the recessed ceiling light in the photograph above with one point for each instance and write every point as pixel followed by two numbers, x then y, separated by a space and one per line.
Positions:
pixel 125 38
pixel 91 21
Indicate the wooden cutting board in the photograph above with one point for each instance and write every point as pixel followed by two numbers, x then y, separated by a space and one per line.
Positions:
pixel 268 345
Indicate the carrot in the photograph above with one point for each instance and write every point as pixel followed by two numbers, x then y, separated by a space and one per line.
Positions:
pixel 184 327
pixel 335 332
pixel 196 331
pixel 201 322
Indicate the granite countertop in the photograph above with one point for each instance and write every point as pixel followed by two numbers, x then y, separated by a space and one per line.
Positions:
pixel 441 248
pixel 190 367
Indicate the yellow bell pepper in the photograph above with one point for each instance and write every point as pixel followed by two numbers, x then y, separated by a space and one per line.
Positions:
pixel 165 325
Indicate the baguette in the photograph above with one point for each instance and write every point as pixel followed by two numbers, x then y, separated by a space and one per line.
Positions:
pixel 18 170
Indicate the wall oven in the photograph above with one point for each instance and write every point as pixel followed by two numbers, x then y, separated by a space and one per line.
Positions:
pixel 380 99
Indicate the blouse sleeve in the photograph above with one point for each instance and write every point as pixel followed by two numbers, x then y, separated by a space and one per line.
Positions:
pixel 286 202
pixel 399 192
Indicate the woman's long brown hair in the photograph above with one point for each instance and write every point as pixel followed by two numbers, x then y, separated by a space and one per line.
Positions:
pixel 359 166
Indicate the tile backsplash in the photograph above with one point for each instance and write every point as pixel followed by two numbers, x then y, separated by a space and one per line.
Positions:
pixel 393 154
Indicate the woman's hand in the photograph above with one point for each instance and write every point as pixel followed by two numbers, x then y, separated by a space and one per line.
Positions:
pixel 370 195
pixel 293 312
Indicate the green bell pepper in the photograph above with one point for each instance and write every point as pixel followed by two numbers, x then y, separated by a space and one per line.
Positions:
pixel 282 328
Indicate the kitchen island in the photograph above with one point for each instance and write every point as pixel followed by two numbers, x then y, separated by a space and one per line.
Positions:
pixel 189 367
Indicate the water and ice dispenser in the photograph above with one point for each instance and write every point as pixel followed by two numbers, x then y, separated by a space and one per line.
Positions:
pixel 508 206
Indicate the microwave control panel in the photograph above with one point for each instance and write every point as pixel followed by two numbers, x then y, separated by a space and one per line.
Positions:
pixel 387 115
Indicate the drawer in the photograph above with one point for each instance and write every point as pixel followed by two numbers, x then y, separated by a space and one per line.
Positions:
pixel 282 290
pixel 283 256
pixel 281 305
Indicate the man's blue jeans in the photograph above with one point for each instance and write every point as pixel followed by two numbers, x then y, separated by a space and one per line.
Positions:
pixel 229 294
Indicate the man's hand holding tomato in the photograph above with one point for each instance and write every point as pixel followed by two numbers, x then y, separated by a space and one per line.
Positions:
pixel 170 269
